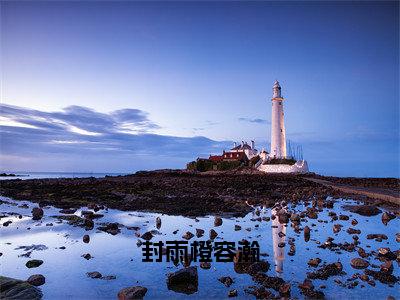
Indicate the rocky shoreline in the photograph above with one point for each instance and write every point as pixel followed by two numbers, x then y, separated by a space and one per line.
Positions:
pixel 181 192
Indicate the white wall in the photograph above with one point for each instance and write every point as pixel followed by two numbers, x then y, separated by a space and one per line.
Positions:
pixel 300 166
pixel 278 134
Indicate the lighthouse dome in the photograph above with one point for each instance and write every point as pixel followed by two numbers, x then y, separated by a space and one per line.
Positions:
pixel 276 90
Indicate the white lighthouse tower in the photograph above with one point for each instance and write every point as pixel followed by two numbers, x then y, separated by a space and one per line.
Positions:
pixel 278 135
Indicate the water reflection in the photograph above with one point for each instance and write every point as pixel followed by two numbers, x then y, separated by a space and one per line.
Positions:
pixel 278 240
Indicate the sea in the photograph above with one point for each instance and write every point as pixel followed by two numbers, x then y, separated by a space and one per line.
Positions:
pixel 42 175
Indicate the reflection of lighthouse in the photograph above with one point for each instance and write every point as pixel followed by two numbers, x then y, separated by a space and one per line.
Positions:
pixel 277 238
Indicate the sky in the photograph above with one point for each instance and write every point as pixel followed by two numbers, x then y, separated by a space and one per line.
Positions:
pixel 124 86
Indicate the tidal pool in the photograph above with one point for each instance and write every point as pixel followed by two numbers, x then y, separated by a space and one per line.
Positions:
pixel 119 255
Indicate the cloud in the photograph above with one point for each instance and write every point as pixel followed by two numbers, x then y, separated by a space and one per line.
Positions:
pixel 254 120
pixel 77 130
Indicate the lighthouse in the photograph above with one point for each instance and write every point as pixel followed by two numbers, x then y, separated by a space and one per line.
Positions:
pixel 278 135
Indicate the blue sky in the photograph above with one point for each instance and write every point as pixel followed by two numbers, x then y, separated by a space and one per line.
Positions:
pixel 123 86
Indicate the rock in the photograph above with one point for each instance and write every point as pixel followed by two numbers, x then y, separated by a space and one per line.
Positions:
pixel 363 210
pixel 217 221
pixel 86 238
pixel 158 222
pixel 94 274
pixel 259 292
pixel 259 266
pixel 383 277
pixel 205 265
pixel 283 216
pixel 36 280
pixel 326 271
pixel 284 290
pixel 269 281
pixel 362 252
pixel 359 263
pixel 11 288
pixel 92 216
pixel 343 217
pixel 226 280
pixel 109 277
pixel 292 250
pixel 188 235
pixel 183 281
pixel 232 293
pixel 295 218
pixel 353 231
pixel 377 236
pixel 312 214
pixel 5 224
pixel 34 263
pixel 213 234
pixel 147 236
pixel 238 227
pixel 354 222
pixel 131 293
pixel 307 233
pixel 88 224
pixel 68 211
pixel 314 262
pixel 111 228
pixel 199 232
pixel 337 228
pixel 87 256
pixel 307 289
pixel 386 217
pixel 387 267
pixel 37 213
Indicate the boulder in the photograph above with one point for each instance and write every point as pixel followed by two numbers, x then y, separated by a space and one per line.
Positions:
pixel 94 274
pixel 386 217
pixel 188 235
pixel 130 293
pixel 37 213
pixel 86 238
pixel 307 233
pixel 33 263
pixel 217 221
pixel 183 281
pixel 314 262
pixel 226 280
pixel 232 293
pixel 147 236
pixel 205 265
pixel 363 210
pixel 68 211
pixel 158 222
pixel 359 263
pixel 111 228
pixel 11 288
pixel 199 232
pixel 36 280
pixel 87 256
pixel 213 234
pixel 326 271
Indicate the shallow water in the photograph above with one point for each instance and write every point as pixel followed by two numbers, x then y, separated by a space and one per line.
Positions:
pixel 119 255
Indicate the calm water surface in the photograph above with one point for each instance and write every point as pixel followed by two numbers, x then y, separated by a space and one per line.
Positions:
pixel 119 255
pixel 42 175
